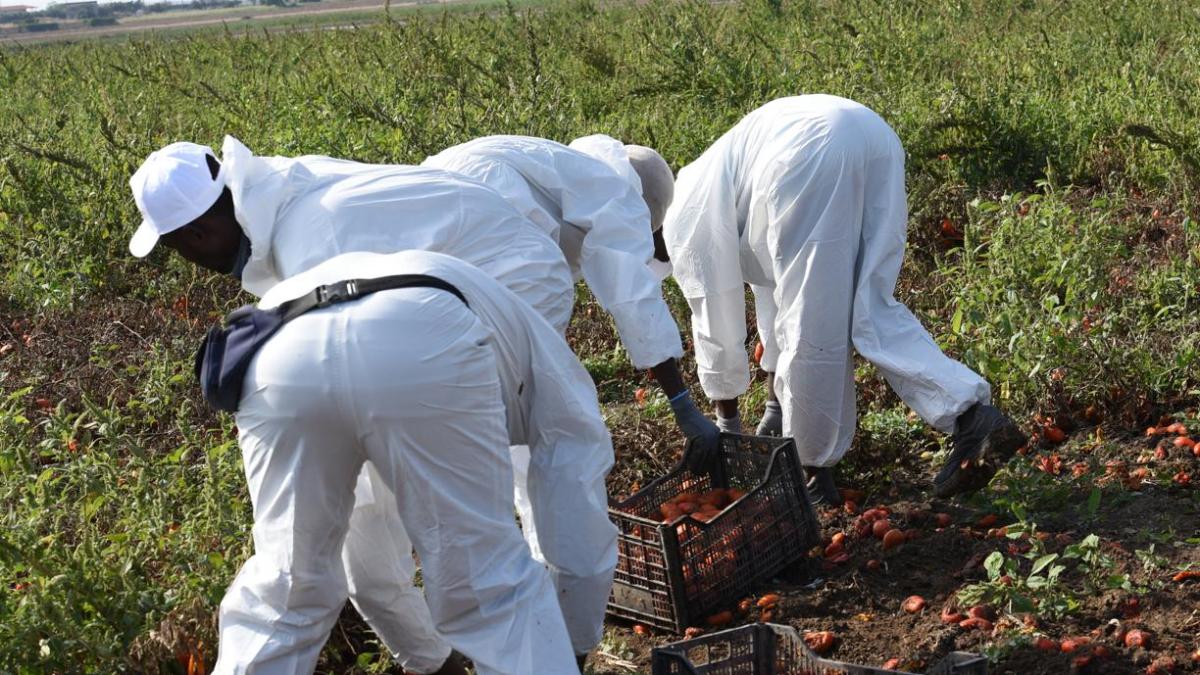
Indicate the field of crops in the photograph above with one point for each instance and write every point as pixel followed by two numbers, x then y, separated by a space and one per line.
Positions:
pixel 1054 179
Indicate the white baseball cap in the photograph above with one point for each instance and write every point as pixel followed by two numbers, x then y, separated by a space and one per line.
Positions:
pixel 173 187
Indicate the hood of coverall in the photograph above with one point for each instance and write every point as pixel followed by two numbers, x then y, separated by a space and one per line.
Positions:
pixel 261 186
pixel 642 167
pixel 658 183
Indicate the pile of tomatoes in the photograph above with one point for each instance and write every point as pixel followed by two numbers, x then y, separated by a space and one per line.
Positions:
pixel 701 506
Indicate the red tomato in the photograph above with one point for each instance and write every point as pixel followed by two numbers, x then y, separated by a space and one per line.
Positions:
pixel 976 624
pixel 986 521
pixel 982 612
pixel 852 495
pixel 1163 665
pixel 1137 639
pixel 1045 644
pixel 892 539
pixel 720 618
pixel 820 642
pixel 880 527
pixel 1071 645
pixel 950 615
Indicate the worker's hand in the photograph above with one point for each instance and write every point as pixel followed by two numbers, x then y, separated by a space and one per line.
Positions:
pixel 772 420
pixel 703 435
pixel 730 425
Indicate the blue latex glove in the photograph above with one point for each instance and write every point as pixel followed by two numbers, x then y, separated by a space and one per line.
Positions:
pixel 699 429
pixel 772 420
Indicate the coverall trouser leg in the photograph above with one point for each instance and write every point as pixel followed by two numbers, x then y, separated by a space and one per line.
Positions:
pixel 884 331
pixel 840 212
pixel 379 566
pixel 408 380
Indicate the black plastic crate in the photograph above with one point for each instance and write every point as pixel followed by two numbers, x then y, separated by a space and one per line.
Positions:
pixel 673 575
pixel 770 649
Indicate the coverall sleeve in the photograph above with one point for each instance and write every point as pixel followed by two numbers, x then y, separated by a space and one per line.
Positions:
pixel 702 236
pixel 565 426
pixel 719 331
pixel 612 221
pixel 570 455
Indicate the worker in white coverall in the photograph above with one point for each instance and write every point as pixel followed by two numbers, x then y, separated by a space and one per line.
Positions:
pixel 804 200
pixel 430 390
pixel 601 201
pixel 264 218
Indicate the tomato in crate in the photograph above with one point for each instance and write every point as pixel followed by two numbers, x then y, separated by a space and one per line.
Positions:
pixel 690 545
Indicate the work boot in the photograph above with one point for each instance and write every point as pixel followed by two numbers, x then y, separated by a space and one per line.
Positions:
pixel 821 488
pixel 454 665
pixel 984 440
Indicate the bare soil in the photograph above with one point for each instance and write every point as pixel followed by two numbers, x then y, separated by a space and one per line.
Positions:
pixel 861 604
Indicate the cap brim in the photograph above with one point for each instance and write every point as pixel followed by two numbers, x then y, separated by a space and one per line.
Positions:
pixel 143 240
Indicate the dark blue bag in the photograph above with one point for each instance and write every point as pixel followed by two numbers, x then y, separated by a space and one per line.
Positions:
pixel 227 350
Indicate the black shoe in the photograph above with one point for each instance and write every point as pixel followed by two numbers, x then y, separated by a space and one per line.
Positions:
pixel 984 440
pixel 821 488
pixel 454 665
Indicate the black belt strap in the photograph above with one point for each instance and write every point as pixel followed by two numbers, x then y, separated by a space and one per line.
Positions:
pixel 353 289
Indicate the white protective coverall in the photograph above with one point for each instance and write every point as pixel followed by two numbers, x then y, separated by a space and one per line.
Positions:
pixel 423 387
pixel 588 198
pixel 804 200
pixel 595 211
pixel 298 212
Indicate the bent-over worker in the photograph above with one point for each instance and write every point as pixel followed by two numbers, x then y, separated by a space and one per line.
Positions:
pixel 264 218
pixel 804 200
pixel 424 384
pixel 601 201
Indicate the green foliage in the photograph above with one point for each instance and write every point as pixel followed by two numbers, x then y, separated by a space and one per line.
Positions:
pixel 1096 565
pixel 1034 586
pixel 1042 582
pixel 1060 285
pixel 101 540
